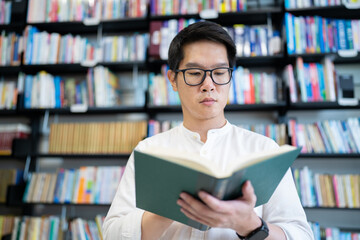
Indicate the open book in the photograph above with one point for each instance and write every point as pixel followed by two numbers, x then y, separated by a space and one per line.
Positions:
pixel 162 174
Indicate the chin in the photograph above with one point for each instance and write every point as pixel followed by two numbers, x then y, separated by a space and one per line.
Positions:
pixel 207 115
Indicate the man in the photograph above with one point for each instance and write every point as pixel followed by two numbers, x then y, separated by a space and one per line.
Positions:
pixel 200 61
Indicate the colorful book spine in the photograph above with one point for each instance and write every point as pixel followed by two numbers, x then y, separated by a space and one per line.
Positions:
pixel 330 136
pixel 60 11
pixel 320 35
pixel 314 81
pixel 166 7
pixel 325 190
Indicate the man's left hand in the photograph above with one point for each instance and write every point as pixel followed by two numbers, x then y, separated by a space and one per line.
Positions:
pixel 236 214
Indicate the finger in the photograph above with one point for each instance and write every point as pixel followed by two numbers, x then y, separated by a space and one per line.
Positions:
pixel 195 217
pixel 195 207
pixel 212 202
pixel 248 193
pixel 193 202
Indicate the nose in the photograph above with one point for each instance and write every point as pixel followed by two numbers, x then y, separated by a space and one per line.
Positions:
pixel 207 85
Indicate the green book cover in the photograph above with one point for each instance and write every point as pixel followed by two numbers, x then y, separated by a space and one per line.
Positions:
pixel 162 174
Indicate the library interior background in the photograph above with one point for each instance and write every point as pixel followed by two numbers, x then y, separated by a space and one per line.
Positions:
pixel 82 82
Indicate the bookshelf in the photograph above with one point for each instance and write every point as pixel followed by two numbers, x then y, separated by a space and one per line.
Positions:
pixel 278 112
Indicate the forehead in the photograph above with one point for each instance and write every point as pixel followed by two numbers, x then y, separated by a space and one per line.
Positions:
pixel 205 53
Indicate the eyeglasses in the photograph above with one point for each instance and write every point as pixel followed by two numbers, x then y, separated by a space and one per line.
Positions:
pixel 196 76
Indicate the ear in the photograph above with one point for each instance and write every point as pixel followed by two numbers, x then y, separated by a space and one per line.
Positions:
pixel 171 76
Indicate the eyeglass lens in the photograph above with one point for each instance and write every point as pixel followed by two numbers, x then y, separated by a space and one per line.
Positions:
pixel 196 76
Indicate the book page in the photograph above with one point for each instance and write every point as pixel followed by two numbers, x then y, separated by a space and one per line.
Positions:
pixel 199 163
pixel 190 160
pixel 254 158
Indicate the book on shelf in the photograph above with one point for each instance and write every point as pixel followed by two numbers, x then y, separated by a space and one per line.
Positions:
pixel 124 48
pixel 8 132
pixel 9 177
pixel 165 7
pixel 320 35
pixel 65 11
pixel 86 185
pixel 160 178
pixel 51 227
pixel 53 48
pixel 5 12
pixel 329 136
pixel 311 82
pixel 10 48
pixel 321 232
pixel 160 89
pixel 250 87
pixel 327 190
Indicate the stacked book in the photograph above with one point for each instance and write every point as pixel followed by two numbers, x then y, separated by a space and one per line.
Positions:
pixel 9 177
pixel 166 7
pixel 253 40
pixel 100 88
pixel 329 136
pixel 5 12
pixel 160 89
pixel 6 225
pixel 71 10
pixel 86 185
pixel 311 82
pixel 315 34
pixel 250 41
pixel 82 229
pixel 327 190
pixel 96 137
pixel 52 227
pixel 308 3
pixel 156 127
pixel 254 87
pixel 8 94
pixel 277 132
pixel 124 48
pixel 321 232
pixel 53 48
pixel 10 48
pixel 8 132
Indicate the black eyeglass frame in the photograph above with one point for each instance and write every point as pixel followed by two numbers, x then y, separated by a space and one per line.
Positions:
pixel 204 70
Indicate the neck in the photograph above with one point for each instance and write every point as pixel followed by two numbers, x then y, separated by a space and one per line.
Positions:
pixel 203 126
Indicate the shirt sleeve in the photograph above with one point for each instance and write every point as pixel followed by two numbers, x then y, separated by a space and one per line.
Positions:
pixel 284 209
pixel 123 220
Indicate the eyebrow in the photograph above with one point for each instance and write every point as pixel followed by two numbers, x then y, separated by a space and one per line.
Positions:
pixel 197 65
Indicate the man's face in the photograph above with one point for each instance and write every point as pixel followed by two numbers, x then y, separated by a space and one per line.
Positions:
pixel 207 100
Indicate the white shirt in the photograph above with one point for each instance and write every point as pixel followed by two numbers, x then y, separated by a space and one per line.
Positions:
pixel 284 209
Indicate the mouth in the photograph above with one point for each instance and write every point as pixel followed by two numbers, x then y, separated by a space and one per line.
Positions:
pixel 208 101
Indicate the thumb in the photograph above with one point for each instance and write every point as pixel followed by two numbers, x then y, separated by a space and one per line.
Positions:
pixel 248 193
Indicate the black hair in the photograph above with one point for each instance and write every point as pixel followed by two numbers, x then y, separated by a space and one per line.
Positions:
pixel 203 30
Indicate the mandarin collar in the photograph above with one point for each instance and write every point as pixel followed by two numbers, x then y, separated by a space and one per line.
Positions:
pixel 217 131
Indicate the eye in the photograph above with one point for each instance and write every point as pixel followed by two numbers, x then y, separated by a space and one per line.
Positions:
pixel 194 72
pixel 220 72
